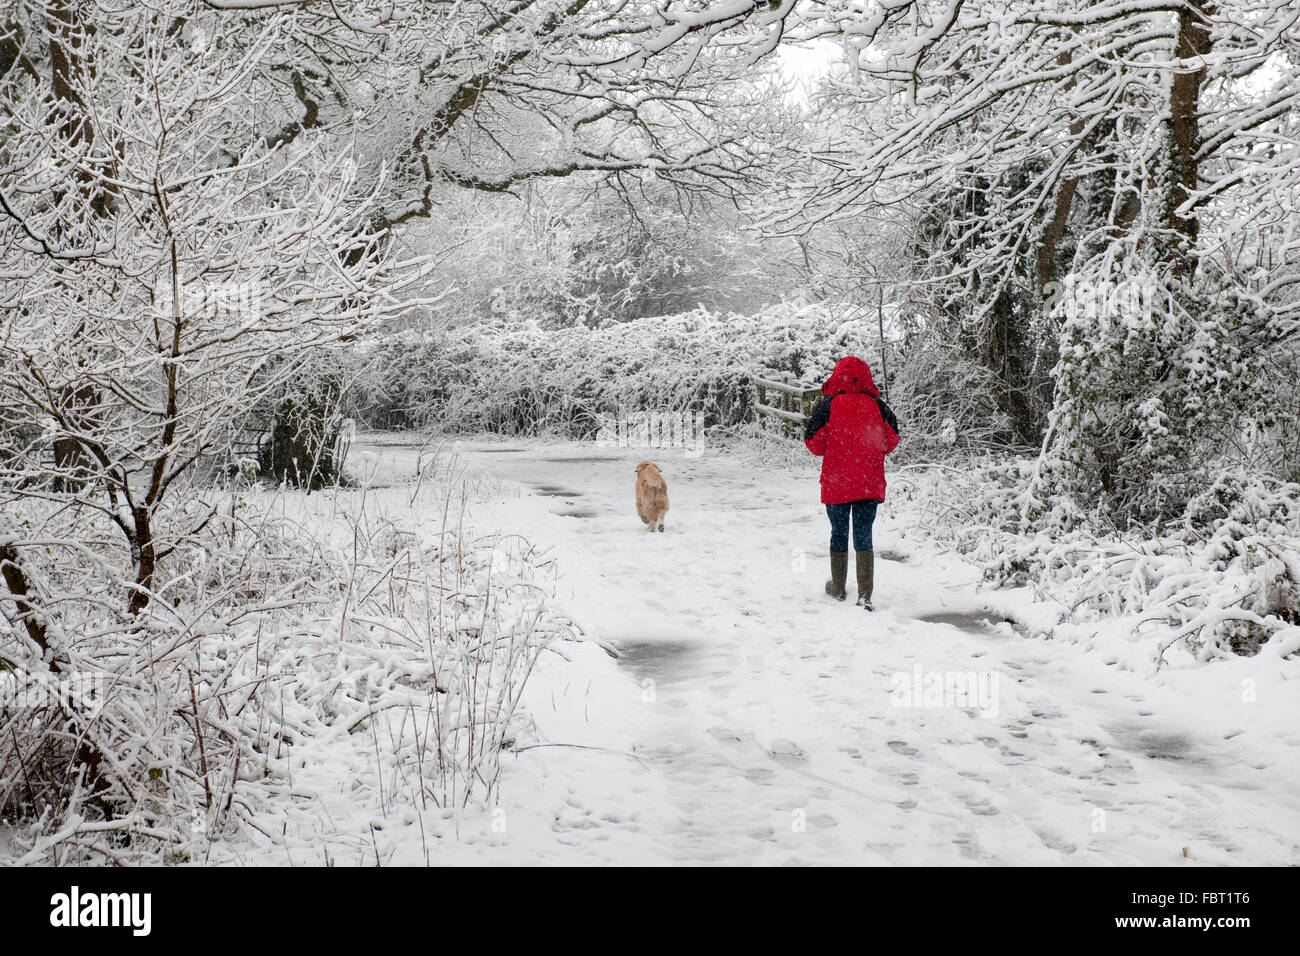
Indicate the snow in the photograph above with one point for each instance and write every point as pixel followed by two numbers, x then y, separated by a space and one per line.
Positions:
pixel 719 708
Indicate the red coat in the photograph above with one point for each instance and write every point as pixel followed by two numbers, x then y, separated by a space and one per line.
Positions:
pixel 849 432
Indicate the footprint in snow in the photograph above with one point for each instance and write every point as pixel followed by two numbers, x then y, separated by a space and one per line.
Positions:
pixel 786 752
pixel 728 736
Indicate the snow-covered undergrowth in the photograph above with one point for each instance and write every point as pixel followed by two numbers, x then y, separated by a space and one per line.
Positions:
pixel 523 379
pixel 1225 581
pixel 361 633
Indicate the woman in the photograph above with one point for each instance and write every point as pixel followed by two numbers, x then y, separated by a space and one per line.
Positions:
pixel 852 430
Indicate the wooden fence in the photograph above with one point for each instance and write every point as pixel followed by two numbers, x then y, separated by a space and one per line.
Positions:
pixel 791 404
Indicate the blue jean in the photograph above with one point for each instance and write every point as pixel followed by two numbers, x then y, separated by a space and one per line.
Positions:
pixel 864 515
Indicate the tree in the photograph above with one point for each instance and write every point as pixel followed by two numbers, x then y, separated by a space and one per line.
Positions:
pixel 1111 145
pixel 195 196
pixel 158 250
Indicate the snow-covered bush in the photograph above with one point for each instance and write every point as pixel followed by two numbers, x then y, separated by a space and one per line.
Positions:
pixel 526 379
pixel 346 632
pixel 1153 389
pixel 1224 579
pixel 296 430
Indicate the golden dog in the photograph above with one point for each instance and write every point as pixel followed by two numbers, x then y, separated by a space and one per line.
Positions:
pixel 651 495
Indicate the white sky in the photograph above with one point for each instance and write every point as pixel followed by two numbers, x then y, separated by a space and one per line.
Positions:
pixel 805 65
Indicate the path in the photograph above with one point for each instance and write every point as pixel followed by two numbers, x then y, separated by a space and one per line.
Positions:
pixel 762 718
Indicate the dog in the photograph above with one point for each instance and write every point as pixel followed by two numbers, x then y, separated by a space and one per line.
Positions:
pixel 651 495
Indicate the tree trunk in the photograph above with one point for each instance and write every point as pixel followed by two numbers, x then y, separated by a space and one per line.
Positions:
pixel 142 549
pixel 1184 128
pixel 20 593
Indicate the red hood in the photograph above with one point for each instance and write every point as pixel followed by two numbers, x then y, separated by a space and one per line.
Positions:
pixel 851 375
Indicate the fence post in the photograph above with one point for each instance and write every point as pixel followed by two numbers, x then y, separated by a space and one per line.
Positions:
pixel 785 404
pixel 794 409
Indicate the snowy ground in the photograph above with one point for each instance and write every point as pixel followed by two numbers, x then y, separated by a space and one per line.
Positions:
pixel 725 710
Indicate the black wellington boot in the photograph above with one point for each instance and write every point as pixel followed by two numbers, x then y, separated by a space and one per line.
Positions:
pixel 839 573
pixel 866 567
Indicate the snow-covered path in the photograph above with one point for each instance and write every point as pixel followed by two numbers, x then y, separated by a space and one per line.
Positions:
pixel 750 719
